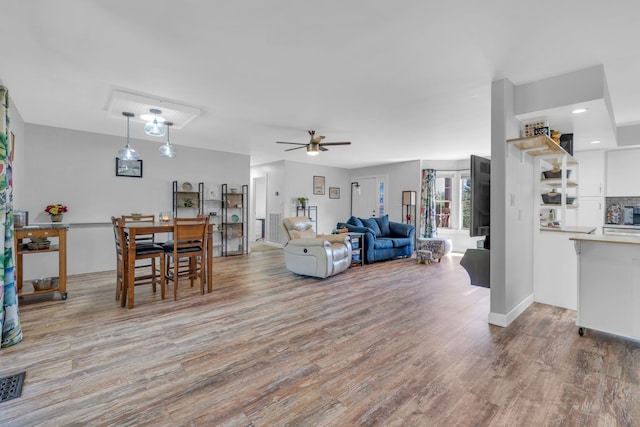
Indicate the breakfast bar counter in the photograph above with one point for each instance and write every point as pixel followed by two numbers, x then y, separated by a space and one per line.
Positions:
pixel 608 284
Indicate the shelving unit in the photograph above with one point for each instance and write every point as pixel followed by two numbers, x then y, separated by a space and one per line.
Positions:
pixel 57 231
pixel 211 204
pixel 552 156
pixel 235 215
pixel 187 202
pixel 310 212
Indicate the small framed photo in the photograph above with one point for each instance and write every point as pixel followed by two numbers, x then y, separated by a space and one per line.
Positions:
pixel 318 185
pixel 334 192
pixel 129 168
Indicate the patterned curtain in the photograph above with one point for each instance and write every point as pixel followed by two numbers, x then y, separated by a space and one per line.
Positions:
pixel 9 319
pixel 428 205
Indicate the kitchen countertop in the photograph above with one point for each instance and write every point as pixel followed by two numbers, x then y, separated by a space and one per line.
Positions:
pixel 627 226
pixel 570 229
pixel 604 238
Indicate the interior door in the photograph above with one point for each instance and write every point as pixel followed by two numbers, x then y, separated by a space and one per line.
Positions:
pixel 365 197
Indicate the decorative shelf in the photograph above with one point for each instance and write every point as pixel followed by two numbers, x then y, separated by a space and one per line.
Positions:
pixel 541 145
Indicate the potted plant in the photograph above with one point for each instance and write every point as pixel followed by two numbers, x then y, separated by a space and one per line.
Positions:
pixel 303 202
pixel 56 211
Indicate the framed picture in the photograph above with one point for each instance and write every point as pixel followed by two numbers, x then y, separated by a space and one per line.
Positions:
pixel 129 168
pixel 318 185
pixel 334 192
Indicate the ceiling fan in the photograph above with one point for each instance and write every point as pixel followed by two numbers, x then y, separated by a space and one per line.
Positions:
pixel 315 144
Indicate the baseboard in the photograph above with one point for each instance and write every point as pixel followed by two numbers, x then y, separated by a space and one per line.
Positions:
pixel 505 320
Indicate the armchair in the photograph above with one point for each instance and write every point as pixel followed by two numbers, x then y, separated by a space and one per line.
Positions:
pixel 311 255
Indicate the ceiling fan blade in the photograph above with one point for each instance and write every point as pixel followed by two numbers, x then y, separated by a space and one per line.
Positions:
pixel 292 143
pixel 335 143
pixel 296 148
pixel 321 148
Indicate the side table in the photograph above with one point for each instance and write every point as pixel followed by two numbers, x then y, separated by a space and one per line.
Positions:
pixel 357 248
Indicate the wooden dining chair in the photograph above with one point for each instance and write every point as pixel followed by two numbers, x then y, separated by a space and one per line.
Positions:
pixel 147 251
pixel 186 254
pixel 146 273
pixel 121 258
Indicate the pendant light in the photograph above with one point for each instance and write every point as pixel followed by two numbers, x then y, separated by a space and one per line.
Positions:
pixel 156 126
pixel 128 153
pixel 167 150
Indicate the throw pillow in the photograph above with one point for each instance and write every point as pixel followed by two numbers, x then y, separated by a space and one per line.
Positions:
pixel 383 223
pixel 355 221
pixel 372 224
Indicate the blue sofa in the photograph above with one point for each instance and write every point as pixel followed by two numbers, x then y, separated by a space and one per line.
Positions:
pixel 383 239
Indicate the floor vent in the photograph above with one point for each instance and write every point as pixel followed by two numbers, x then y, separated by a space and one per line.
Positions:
pixel 274 230
pixel 11 387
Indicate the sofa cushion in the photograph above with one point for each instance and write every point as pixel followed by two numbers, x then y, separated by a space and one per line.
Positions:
pixel 383 223
pixel 355 221
pixel 372 224
pixel 400 242
pixel 383 243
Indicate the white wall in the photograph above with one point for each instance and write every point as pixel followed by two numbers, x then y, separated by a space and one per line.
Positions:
pixel 404 176
pixel 78 169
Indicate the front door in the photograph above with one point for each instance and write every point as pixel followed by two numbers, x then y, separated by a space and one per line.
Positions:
pixel 365 197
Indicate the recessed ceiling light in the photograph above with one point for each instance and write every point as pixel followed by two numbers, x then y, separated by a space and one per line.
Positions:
pixel 595 142
pixel 579 111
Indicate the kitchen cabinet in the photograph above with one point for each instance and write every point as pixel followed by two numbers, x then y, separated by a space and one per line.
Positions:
pixel 608 284
pixel 591 183
pixel 622 168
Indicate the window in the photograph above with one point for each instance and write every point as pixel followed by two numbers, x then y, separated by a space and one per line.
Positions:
pixel 465 191
pixel 453 199
pixel 443 202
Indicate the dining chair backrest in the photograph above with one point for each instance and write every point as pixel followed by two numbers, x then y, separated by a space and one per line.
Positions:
pixel 189 233
pixel 141 239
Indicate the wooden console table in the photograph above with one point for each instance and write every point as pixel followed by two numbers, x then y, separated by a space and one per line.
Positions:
pixel 58 231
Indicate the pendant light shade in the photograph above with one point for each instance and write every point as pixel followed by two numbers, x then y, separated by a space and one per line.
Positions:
pixel 156 126
pixel 128 153
pixel 167 150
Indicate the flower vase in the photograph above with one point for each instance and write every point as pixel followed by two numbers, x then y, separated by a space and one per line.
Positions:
pixel 56 218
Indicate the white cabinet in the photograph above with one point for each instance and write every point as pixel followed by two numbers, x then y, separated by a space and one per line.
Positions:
pixel 609 284
pixel 591 212
pixel 592 182
pixel 622 171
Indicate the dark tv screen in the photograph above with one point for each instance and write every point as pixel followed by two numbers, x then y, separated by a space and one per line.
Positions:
pixel 480 196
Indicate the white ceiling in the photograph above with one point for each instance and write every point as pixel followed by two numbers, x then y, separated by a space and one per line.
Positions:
pixel 401 80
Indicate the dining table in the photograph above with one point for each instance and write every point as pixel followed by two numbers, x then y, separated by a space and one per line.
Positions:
pixel 132 229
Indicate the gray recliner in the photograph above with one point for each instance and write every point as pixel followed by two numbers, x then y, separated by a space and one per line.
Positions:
pixel 314 255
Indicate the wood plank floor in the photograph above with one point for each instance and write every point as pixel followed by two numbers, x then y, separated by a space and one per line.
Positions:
pixel 392 344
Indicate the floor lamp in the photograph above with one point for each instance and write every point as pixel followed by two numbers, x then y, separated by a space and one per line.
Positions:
pixel 355 185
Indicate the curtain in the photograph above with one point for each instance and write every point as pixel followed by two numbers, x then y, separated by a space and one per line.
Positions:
pixel 9 319
pixel 428 204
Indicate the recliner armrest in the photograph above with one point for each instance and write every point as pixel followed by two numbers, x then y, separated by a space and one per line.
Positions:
pixel 335 238
pixel 308 242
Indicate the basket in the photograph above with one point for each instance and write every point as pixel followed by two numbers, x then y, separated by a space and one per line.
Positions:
pixel 556 173
pixel 556 199
pixel 42 284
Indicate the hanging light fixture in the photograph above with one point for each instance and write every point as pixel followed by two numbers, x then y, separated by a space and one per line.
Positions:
pixel 155 124
pixel 167 150
pixel 128 153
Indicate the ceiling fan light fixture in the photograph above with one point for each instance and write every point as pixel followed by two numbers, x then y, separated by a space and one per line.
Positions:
pixel 155 124
pixel 127 152
pixel 312 150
